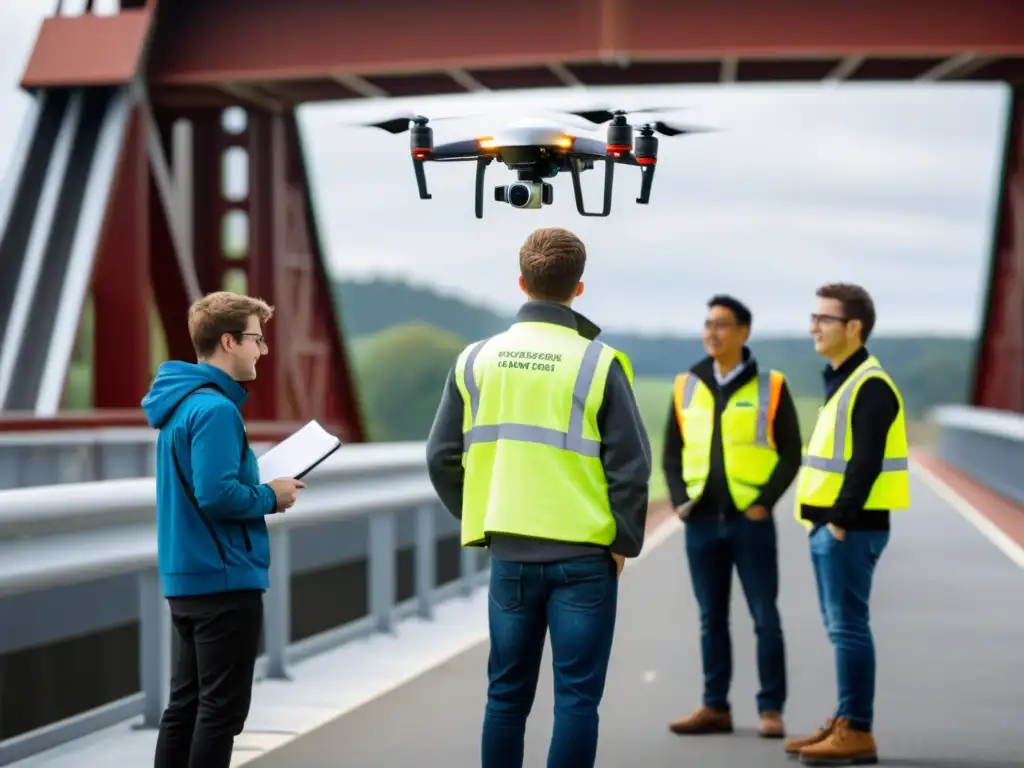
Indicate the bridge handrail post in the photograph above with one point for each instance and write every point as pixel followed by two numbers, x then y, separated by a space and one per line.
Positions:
pixel 155 635
pixel 277 605
pixel 381 567
pixel 468 569
pixel 426 560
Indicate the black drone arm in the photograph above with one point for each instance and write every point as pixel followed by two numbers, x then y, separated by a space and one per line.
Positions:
pixel 609 177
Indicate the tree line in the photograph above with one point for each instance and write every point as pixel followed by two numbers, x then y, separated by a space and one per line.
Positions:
pixel 929 370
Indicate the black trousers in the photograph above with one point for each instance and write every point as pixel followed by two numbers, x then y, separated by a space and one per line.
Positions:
pixel 217 639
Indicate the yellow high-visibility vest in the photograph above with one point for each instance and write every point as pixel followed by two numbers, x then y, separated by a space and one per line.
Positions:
pixel 531 445
pixel 747 427
pixel 831 445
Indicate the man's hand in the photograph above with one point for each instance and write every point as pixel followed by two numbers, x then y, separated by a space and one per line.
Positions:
pixel 684 509
pixel 756 513
pixel 838 533
pixel 286 491
pixel 620 562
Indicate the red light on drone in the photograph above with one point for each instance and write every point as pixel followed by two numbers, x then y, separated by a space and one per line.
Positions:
pixel 420 153
pixel 618 149
pixel 646 160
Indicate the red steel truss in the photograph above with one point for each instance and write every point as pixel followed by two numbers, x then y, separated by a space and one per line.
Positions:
pixel 188 60
pixel 306 375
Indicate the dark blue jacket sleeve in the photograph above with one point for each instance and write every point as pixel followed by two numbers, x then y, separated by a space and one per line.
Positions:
pixel 626 459
pixel 444 448
pixel 217 440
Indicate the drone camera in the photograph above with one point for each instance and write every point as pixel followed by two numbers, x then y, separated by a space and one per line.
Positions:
pixel 526 194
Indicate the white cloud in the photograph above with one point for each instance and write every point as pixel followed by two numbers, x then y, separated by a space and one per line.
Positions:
pixel 888 185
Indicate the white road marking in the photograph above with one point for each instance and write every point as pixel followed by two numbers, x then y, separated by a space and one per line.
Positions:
pixel 970 513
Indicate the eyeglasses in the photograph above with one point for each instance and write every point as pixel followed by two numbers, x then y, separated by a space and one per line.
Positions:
pixel 717 325
pixel 816 319
pixel 258 336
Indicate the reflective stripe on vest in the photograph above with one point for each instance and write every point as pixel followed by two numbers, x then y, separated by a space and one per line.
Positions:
pixel 531 442
pixel 821 476
pixel 764 397
pixel 837 464
pixel 572 440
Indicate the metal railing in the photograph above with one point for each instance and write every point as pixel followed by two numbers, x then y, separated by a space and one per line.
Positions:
pixel 87 447
pixel 60 535
pixel 984 443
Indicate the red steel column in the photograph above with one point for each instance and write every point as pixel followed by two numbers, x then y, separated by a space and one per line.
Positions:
pixel 121 281
pixel 256 234
pixel 999 369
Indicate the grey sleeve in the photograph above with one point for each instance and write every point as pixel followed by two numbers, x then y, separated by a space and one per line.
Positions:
pixel 444 448
pixel 626 459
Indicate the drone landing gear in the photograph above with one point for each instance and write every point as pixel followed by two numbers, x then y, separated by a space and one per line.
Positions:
pixel 646 180
pixel 481 170
pixel 609 177
pixel 421 177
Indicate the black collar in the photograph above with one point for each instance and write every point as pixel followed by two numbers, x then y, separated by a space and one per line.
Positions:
pixel 834 377
pixel 557 314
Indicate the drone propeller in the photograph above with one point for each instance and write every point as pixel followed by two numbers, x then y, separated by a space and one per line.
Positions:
pixel 669 129
pixel 599 116
pixel 401 123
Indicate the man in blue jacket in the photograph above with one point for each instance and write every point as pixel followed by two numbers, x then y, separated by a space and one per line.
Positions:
pixel 213 549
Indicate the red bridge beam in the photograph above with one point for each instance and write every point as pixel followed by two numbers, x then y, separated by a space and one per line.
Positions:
pixel 309 38
pixel 318 47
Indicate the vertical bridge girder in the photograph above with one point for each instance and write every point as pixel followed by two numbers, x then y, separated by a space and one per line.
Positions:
pixel 999 373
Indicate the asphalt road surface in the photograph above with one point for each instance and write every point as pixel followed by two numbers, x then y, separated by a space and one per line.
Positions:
pixel 949 628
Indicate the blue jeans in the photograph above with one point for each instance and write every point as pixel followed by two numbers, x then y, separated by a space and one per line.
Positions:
pixel 713 548
pixel 577 600
pixel 843 571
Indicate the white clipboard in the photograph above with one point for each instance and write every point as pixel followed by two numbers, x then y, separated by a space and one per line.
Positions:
pixel 299 453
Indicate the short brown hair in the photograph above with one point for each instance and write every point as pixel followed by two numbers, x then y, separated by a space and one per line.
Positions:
pixel 857 304
pixel 222 312
pixel 551 262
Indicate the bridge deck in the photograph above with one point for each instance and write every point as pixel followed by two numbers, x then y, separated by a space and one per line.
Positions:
pixel 948 627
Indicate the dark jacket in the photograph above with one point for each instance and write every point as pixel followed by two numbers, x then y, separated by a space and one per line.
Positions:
pixel 625 454
pixel 716 499
pixel 874 412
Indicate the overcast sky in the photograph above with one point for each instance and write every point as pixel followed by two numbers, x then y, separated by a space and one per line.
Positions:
pixel 889 186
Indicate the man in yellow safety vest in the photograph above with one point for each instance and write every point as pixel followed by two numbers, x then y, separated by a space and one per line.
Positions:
pixel 855 470
pixel 732 448
pixel 538 447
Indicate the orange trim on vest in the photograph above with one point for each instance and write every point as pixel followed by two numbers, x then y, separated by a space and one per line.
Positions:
pixel 777 380
pixel 677 398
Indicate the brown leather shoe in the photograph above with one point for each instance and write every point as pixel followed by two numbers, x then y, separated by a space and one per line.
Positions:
pixel 844 746
pixel 793 746
pixel 771 726
pixel 704 720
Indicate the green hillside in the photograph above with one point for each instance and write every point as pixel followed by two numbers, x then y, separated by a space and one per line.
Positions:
pixel 930 370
